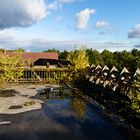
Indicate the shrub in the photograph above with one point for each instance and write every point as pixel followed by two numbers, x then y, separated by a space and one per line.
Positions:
pixel 10 67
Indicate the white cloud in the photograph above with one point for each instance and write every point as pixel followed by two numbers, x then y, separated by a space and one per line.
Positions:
pixel 54 6
pixel 57 4
pixel 7 33
pixel 28 50
pixel 9 39
pixel 101 24
pixel 21 13
pixel 66 1
pixel 82 18
pixel 134 32
pixel 118 43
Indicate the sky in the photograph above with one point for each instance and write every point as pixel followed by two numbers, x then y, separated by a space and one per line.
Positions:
pixel 38 25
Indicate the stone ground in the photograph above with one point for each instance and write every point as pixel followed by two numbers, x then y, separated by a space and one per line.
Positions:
pixel 20 98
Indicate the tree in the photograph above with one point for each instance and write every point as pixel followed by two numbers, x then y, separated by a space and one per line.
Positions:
pixel 108 58
pixel 135 53
pixel 79 59
pixel 19 50
pixel 64 54
pixel 94 57
pixel 52 50
pixel 10 67
pixel 1 50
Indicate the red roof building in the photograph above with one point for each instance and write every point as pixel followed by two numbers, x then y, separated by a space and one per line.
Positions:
pixel 31 57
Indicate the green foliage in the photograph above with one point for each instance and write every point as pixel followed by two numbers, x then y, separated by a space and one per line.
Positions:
pixel 108 58
pixel 135 98
pixel 9 65
pixel 135 95
pixel 1 50
pixel 19 50
pixel 94 57
pixel 61 77
pixel 130 60
pixel 52 50
pixel 15 50
pixel 64 54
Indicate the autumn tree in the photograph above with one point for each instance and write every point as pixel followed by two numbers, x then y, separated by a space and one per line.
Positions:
pixel 79 59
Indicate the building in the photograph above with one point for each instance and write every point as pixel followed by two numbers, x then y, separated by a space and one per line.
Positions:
pixel 52 63
pixel 31 57
pixel 41 59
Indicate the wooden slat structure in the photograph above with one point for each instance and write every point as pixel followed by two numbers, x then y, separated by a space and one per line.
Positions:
pixel 113 79
pixel 41 75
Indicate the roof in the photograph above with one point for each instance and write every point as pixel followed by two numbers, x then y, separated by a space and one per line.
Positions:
pixel 33 56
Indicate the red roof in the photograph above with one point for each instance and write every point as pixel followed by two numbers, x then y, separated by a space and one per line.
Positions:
pixel 34 56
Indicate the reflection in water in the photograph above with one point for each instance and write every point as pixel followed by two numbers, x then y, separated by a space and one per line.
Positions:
pixel 53 93
pixel 77 103
pixel 64 116
pixel 79 106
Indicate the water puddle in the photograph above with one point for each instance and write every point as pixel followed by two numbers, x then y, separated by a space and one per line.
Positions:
pixel 64 115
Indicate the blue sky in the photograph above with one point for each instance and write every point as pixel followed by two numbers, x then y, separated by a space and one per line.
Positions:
pixel 38 25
